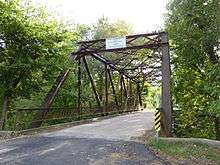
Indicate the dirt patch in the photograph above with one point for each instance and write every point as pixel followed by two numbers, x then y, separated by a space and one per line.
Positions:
pixel 149 134
pixel 119 158
pixel 174 160
pixel 4 135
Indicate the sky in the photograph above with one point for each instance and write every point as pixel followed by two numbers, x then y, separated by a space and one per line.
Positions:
pixel 143 15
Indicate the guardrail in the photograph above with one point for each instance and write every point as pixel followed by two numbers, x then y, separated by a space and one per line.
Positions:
pixel 22 118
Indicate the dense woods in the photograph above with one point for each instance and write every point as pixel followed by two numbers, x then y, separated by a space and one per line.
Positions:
pixel 35 46
pixel 194 30
pixel 33 51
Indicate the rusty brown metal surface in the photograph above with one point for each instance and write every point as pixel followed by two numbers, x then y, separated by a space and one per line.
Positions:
pixel 49 98
pixel 26 116
pixel 113 88
pixel 125 63
pixel 166 95
pixel 79 76
pixel 153 68
pixel 92 82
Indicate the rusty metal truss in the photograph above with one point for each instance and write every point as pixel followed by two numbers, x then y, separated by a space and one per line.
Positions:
pixel 126 60
pixel 144 58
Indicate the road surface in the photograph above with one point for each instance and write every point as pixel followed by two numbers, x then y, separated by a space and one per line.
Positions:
pixel 105 142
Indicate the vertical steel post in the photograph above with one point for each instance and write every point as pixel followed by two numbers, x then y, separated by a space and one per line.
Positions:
pixel 135 97
pixel 129 94
pixel 113 88
pixel 106 88
pixel 125 93
pixel 92 83
pixel 79 88
pixel 139 94
pixel 121 92
pixel 166 95
pixel 124 86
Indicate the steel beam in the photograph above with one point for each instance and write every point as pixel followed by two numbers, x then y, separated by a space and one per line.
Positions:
pixel 113 88
pixel 92 82
pixel 121 90
pixel 166 96
pixel 79 75
pixel 127 37
pixel 48 100
pixel 124 86
pixel 139 94
pixel 144 46
pixel 111 65
pixel 106 88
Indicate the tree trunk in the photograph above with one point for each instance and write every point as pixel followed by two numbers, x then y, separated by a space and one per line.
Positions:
pixel 217 130
pixel 4 111
pixel 213 57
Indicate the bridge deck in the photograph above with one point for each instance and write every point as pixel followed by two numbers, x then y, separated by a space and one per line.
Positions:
pixel 103 142
pixel 117 128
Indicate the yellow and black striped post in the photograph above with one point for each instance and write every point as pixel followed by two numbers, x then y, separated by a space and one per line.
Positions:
pixel 157 120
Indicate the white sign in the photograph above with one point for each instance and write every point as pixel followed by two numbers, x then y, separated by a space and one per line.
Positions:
pixel 115 42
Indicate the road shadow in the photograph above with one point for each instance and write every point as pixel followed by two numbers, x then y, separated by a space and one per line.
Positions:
pixel 75 151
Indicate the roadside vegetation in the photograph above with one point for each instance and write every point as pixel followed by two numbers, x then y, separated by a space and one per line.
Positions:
pixel 194 31
pixel 183 152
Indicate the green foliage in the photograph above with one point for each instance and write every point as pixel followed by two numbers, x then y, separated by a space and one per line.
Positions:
pixel 104 29
pixel 151 96
pixel 34 49
pixel 194 30
pixel 36 46
pixel 184 149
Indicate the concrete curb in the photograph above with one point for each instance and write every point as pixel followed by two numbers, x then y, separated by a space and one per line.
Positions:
pixel 212 143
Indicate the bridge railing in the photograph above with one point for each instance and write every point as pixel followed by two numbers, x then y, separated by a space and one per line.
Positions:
pixel 22 118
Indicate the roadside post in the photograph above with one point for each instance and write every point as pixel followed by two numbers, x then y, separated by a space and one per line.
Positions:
pixel 157 122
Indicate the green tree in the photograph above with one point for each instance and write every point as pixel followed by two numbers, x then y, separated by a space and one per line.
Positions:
pixel 104 28
pixel 34 48
pixel 194 30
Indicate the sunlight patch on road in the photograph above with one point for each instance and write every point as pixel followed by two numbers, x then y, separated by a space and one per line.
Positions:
pixel 7 150
pixel 51 149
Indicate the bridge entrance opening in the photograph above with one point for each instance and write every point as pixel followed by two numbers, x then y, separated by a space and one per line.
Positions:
pixel 125 64
pixel 135 59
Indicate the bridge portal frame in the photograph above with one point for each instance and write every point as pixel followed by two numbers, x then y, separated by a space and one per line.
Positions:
pixel 158 42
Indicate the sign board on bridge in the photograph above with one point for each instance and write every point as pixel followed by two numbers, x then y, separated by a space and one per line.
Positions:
pixel 115 42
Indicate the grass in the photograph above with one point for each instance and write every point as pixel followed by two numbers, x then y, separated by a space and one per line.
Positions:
pixel 186 150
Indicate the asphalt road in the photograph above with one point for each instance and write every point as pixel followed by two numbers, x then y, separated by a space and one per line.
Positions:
pixel 106 142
